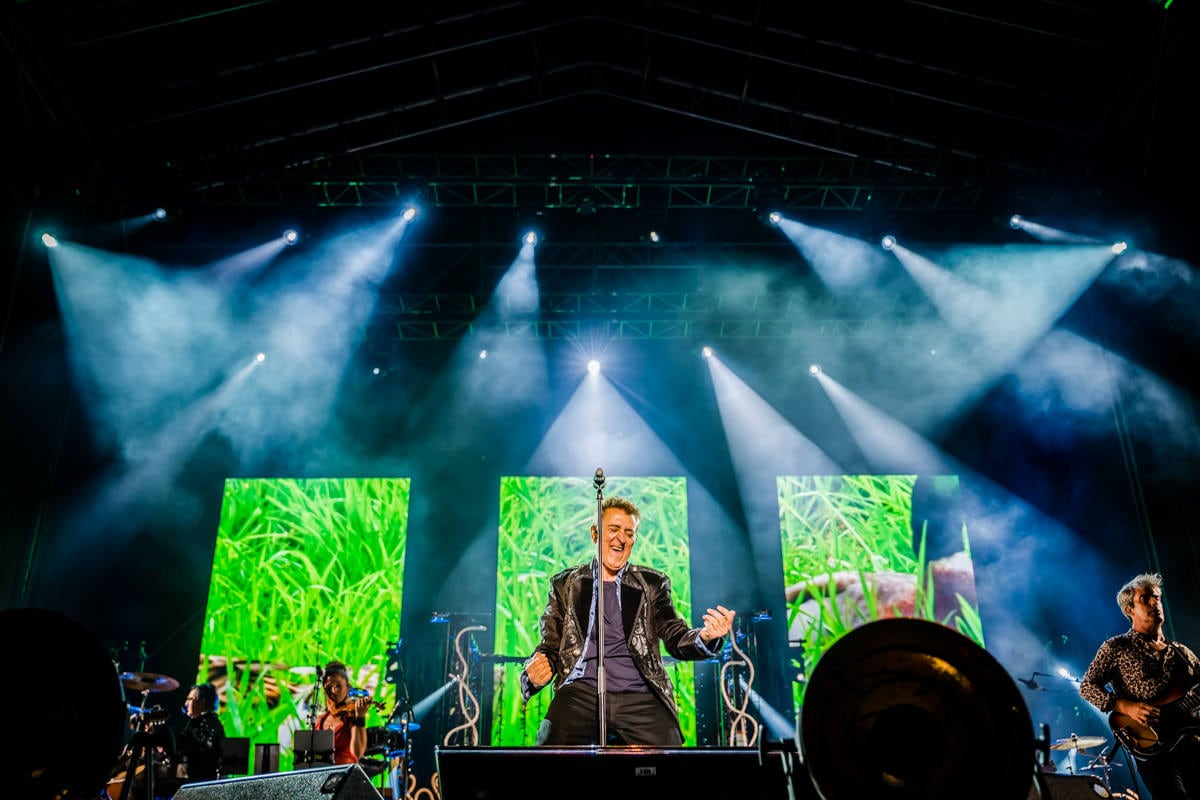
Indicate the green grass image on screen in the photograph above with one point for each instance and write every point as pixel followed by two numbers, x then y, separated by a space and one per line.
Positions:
pixel 304 571
pixel 849 558
pixel 545 525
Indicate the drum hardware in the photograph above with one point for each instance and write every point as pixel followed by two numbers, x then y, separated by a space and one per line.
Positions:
pixel 1104 763
pixel 140 755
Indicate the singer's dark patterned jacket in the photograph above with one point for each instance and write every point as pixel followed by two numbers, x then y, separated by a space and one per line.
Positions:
pixel 647 614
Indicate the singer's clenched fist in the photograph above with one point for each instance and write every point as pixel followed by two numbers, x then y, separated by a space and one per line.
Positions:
pixel 538 669
pixel 717 623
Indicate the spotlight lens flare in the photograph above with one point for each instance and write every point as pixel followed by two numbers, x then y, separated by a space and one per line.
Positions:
pixel 814 369
pixel 409 214
pixel 160 213
pixel 1015 221
pixel 706 351
pixel 774 218
pixel 593 367
pixel 888 242
pixel 261 357
pixel 530 238
pixel 1119 247
pixel 48 240
pixel 290 237
pixel 482 355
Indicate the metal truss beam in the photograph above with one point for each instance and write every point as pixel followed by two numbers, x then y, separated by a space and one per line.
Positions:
pixel 642 315
pixel 612 182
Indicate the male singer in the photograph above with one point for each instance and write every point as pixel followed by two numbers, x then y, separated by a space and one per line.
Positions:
pixel 638 612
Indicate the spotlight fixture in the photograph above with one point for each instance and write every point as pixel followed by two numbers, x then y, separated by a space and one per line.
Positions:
pixel 48 240
pixel 814 369
pixel 1119 247
pixel 160 213
pixel 290 237
pixel 482 355
pixel 261 357
pixel 706 351
pixel 888 242
pixel 774 218
pixel 409 214
pixel 530 239
pixel 375 371
pixel 593 367
pixel 654 237
pixel 1015 221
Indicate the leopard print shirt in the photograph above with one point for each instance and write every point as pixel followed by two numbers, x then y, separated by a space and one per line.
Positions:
pixel 1134 670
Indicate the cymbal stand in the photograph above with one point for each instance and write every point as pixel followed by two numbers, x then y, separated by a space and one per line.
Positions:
pixel 1104 763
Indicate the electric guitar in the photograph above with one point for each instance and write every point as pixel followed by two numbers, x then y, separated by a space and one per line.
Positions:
pixel 1178 717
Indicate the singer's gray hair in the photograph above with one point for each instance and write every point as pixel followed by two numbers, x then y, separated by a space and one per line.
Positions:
pixel 625 505
pixel 1125 596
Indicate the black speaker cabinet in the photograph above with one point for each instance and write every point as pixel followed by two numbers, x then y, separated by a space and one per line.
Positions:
pixel 629 773
pixel 1070 787
pixel 345 782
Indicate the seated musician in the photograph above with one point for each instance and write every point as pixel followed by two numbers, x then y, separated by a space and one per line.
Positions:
pixel 199 744
pixel 1147 681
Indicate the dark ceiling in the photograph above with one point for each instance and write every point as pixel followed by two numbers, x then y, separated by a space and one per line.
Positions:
pixel 645 106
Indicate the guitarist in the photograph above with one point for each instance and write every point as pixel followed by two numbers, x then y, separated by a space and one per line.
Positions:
pixel 1137 676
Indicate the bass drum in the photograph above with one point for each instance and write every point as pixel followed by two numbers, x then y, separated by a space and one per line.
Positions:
pixel 81 711
pixel 910 709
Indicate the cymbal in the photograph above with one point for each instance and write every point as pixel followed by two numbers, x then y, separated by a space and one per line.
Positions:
pixel 1078 742
pixel 396 726
pixel 148 682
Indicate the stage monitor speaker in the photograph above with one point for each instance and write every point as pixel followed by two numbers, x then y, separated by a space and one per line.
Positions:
pixel 630 773
pixel 344 782
pixel 1070 787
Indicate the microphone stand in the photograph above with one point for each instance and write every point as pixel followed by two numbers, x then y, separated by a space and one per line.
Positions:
pixel 598 481
pixel 398 757
pixel 310 756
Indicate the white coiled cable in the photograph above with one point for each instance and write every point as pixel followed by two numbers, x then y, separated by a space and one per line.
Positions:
pixel 740 722
pixel 465 697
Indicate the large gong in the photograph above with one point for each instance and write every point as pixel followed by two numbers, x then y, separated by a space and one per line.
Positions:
pixel 908 708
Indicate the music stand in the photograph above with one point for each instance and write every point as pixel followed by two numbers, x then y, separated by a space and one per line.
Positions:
pixel 316 746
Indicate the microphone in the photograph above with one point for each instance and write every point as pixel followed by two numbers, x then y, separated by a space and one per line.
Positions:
pixel 1029 683
pixel 598 478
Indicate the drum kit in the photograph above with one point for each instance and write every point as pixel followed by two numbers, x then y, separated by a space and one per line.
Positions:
pixel 147 755
pixel 1081 744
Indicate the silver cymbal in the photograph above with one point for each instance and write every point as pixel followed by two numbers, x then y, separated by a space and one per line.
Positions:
pixel 1078 742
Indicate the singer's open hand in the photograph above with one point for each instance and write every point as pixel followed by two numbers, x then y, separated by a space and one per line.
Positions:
pixel 717 623
pixel 539 671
